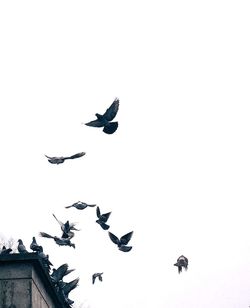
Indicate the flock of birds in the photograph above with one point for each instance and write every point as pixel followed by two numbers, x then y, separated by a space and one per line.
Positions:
pixel 63 288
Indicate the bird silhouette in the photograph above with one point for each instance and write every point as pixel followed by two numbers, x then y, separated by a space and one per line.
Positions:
pixel 102 218
pixel 182 262
pixel 94 276
pixel 5 251
pixel 105 119
pixel 122 242
pixel 80 205
pixel 45 260
pixel 66 288
pixel 34 246
pixel 60 160
pixel 66 228
pixel 20 247
pixel 59 241
pixel 59 273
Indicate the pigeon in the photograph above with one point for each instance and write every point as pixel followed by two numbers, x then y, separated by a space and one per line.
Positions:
pixel 66 288
pixel 45 260
pixel 66 228
pixel 5 251
pixel 34 246
pixel 21 248
pixel 59 273
pixel 105 119
pixel 102 219
pixel 181 262
pixel 80 205
pixel 59 241
pixel 94 276
pixel 60 160
pixel 122 242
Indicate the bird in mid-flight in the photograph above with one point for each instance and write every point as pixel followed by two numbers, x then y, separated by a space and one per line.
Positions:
pixel 59 241
pixel 122 242
pixel 80 205
pixel 105 119
pixel 181 262
pixel 66 228
pixel 94 276
pixel 102 219
pixel 60 160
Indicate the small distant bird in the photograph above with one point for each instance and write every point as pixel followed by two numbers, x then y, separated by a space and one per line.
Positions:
pixel 5 251
pixel 66 228
pixel 102 219
pixel 34 246
pixel 21 248
pixel 60 160
pixel 94 276
pixel 59 241
pixel 59 273
pixel 122 242
pixel 80 205
pixel 181 262
pixel 105 119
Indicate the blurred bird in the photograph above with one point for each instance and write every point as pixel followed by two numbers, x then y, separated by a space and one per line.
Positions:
pixel 21 248
pixel 181 262
pixel 59 241
pixel 94 276
pixel 59 273
pixel 105 119
pixel 60 160
pixel 66 228
pixel 122 242
pixel 5 251
pixel 45 260
pixel 66 288
pixel 34 246
pixel 80 205
pixel 102 219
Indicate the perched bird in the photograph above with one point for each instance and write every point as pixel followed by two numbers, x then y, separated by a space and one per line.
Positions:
pixel 59 241
pixel 102 219
pixel 122 242
pixel 45 260
pixel 60 160
pixel 59 273
pixel 21 248
pixel 105 119
pixel 94 276
pixel 80 205
pixel 181 262
pixel 34 246
pixel 5 251
pixel 66 228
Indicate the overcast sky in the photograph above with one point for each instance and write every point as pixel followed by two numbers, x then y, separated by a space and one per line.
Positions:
pixel 176 172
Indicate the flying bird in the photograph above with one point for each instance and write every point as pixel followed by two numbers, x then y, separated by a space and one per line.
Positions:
pixel 34 246
pixel 21 248
pixel 105 119
pixel 94 276
pixel 122 242
pixel 102 219
pixel 60 160
pixel 66 228
pixel 181 262
pixel 66 288
pixel 59 241
pixel 5 251
pixel 80 205
pixel 59 273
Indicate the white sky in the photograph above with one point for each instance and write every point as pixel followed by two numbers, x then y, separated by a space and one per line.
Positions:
pixel 176 172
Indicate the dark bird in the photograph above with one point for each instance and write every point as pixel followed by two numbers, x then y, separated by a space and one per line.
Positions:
pixel 105 119
pixel 94 276
pixel 122 242
pixel 181 262
pixel 59 241
pixel 60 160
pixel 66 228
pixel 66 288
pixel 102 219
pixel 45 260
pixel 34 246
pixel 59 273
pixel 80 205
pixel 20 247
pixel 5 251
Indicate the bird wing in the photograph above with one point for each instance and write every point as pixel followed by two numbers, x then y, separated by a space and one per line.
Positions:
pixel 114 238
pixel 105 217
pixel 126 238
pixel 76 155
pixel 93 278
pixel 60 223
pixel 98 212
pixel 43 234
pixel 95 123
pixel 70 286
pixel 111 112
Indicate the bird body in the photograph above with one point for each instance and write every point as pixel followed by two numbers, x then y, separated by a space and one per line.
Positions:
pixel 94 276
pixel 21 248
pixel 104 120
pixel 34 246
pixel 59 241
pixel 80 205
pixel 59 273
pixel 5 251
pixel 102 218
pixel 182 262
pixel 60 160
pixel 66 228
